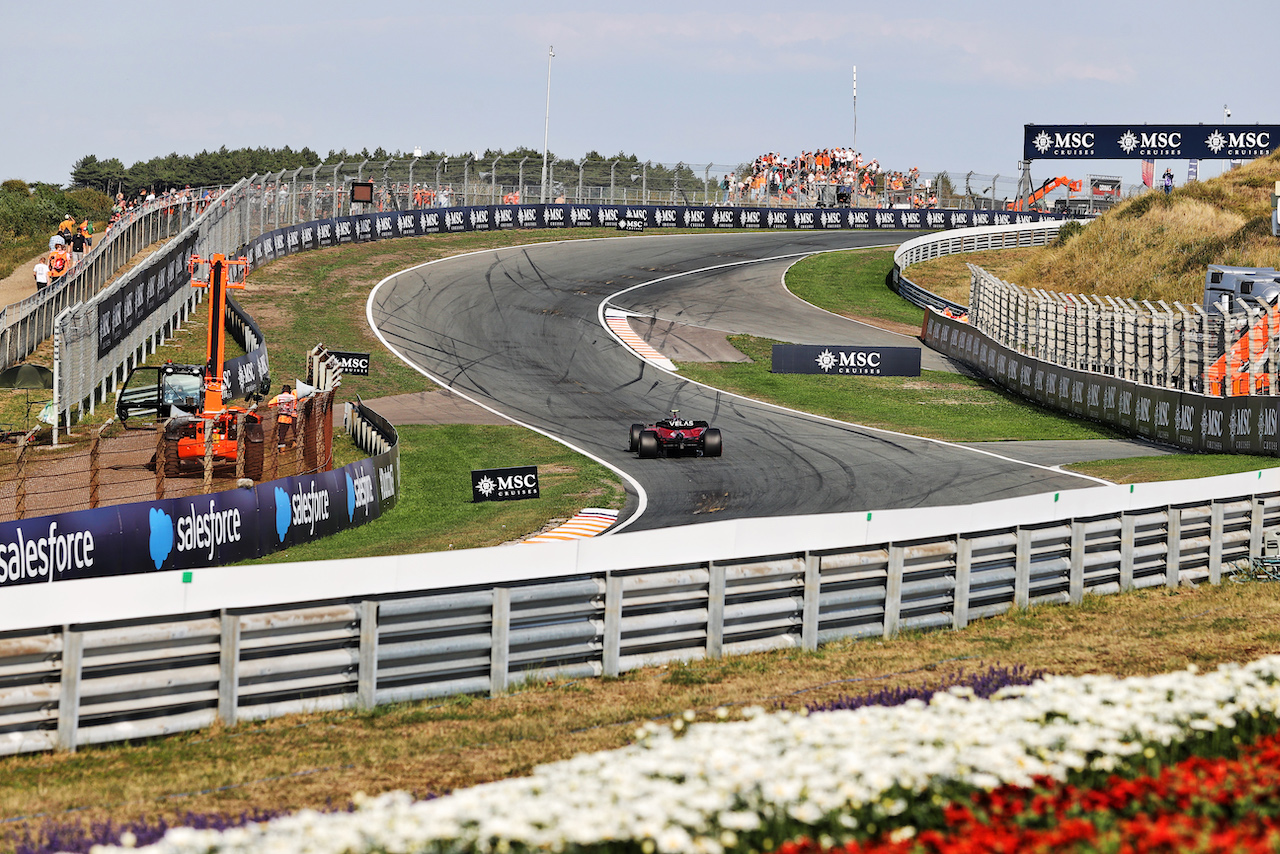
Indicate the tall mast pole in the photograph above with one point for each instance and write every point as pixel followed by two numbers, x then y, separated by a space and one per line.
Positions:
pixel 546 128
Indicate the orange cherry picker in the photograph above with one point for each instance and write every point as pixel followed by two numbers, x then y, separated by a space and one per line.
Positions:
pixel 189 436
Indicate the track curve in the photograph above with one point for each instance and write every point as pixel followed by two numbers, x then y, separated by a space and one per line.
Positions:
pixel 517 330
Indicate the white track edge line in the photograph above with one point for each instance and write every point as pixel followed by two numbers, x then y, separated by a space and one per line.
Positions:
pixel 642 497
pixel 600 314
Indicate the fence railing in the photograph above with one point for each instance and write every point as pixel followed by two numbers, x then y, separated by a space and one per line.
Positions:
pixel 1006 235
pixel 120 467
pixel 156 657
pixel 28 322
pixel 1174 347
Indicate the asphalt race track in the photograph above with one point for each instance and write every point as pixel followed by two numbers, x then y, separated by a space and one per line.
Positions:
pixel 519 331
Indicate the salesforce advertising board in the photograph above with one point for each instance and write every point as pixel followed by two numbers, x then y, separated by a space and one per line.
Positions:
pixel 1138 142
pixel 197 531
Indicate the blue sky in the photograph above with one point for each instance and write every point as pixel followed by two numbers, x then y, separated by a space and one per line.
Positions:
pixel 940 85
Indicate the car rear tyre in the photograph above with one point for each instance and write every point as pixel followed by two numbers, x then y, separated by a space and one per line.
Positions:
pixel 636 430
pixel 648 445
pixel 712 444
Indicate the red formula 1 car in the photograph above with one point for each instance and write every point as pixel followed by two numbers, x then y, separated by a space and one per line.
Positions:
pixel 674 436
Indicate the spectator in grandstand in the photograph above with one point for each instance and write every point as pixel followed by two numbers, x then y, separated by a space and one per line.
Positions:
pixel 41 271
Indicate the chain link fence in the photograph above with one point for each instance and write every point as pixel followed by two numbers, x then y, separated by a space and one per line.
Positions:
pixel 118 466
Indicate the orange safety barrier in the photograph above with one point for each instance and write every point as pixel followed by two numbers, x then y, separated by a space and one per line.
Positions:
pixel 1232 367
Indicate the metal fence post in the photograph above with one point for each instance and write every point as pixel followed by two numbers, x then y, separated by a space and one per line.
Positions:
pixel 812 601
pixel 715 610
pixel 1127 524
pixel 69 688
pixel 367 678
pixel 1173 551
pixel 1075 582
pixel 1022 570
pixel 1215 542
pixel 612 641
pixel 229 668
pixel 499 641
pixel 893 590
pixel 1255 526
pixel 960 596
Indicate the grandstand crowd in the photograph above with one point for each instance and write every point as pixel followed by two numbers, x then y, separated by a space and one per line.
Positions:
pixel 827 176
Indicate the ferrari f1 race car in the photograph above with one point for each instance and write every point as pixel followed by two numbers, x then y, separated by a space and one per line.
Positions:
pixel 675 436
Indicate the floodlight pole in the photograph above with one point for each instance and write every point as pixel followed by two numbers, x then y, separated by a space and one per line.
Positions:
pixel 855 109
pixel 546 128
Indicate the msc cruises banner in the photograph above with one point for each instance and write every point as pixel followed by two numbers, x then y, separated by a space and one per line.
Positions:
pixel 1190 421
pixel 856 361
pixel 1143 142
pixel 121 312
pixel 360 228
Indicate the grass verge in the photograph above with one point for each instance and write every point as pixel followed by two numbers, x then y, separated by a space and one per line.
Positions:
pixel 435 512
pixel 936 404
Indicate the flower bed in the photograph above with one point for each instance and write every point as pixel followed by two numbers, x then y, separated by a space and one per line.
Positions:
pixel 835 776
pixel 1201 804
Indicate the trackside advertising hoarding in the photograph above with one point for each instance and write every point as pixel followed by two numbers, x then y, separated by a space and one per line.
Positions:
pixel 1193 422
pixel 197 531
pixel 417 223
pixel 847 360
pixel 1143 142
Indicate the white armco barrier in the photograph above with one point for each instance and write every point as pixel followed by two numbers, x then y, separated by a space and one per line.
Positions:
pixel 978 239
pixel 136 656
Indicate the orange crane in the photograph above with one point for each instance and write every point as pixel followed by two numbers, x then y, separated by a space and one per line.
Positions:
pixel 1048 187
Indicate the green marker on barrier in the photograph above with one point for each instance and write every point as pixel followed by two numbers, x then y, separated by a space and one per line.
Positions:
pixel 186 578
pixel 1055 498
pixel 868 517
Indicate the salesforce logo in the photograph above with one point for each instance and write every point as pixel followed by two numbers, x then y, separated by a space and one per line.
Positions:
pixel 359 495
pixel 302 509
pixel 199 528
pixel 282 514
pixel 161 535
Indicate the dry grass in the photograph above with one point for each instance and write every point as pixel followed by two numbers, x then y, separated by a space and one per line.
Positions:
pixel 1152 247
pixel 948 276
pixel 434 746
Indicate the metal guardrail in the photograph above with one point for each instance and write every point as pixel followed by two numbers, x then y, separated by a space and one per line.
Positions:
pixel 138 677
pixel 978 239
pixel 28 322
